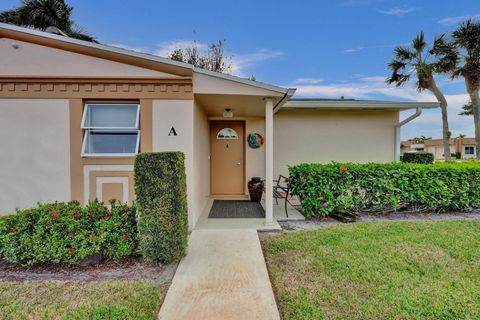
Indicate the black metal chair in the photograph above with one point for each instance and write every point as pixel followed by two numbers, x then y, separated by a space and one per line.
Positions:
pixel 281 191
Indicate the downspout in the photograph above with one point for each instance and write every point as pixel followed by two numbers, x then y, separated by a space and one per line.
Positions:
pixel 285 98
pixel 417 113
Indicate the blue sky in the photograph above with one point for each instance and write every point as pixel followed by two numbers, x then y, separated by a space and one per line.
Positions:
pixel 326 49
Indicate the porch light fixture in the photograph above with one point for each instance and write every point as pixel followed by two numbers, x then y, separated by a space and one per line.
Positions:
pixel 227 113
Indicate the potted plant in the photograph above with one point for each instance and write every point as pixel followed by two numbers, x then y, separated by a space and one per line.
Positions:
pixel 255 189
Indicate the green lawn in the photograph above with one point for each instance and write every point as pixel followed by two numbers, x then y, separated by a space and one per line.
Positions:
pixel 378 270
pixel 79 300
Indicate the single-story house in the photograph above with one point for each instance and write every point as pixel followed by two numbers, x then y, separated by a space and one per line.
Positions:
pixel 463 146
pixel 74 114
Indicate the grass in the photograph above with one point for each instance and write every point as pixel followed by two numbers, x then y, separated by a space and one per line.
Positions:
pixel 79 300
pixel 378 270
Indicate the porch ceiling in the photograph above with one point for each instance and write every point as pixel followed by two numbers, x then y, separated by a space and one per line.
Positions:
pixel 241 105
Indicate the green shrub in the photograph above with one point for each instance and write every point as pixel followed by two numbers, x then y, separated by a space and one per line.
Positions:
pixel 160 188
pixel 68 233
pixel 327 188
pixel 418 157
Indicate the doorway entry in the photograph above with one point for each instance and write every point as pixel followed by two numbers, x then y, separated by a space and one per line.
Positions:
pixel 227 159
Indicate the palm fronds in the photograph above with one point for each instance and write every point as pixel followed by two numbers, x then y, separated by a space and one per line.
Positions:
pixel 41 14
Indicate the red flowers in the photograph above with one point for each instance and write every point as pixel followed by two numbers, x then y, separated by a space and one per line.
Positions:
pixel 344 169
pixel 104 218
pixel 110 213
pixel 14 230
pixel 125 208
pixel 76 216
pixel 54 216
pixel 125 236
pixel 71 233
pixel 125 216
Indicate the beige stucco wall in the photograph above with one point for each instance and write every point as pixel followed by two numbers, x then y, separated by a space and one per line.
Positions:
pixel 35 152
pixel 325 136
pixel 201 161
pixel 179 114
pixel 28 59
pixel 206 84
pixel 438 151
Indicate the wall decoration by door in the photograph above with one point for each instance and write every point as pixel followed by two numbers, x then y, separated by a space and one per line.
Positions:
pixel 255 140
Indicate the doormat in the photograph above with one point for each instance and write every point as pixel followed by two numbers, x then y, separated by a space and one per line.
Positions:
pixel 236 209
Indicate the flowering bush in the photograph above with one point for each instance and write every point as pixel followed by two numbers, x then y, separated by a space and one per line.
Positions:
pixel 383 188
pixel 68 233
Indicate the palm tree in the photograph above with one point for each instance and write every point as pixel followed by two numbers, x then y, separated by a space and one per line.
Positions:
pixel 424 64
pixel 41 14
pixel 421 139
pixel 467 110
pixel 467 39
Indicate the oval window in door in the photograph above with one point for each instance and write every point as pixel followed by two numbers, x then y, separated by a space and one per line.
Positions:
pixel 227 133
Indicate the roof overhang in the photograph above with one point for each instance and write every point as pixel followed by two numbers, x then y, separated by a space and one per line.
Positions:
pixel 140 59
pixel 325 104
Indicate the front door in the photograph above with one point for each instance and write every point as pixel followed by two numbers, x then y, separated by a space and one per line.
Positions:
pixel 227 164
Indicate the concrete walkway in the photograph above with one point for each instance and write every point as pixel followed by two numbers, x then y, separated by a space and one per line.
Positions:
pixel 223 276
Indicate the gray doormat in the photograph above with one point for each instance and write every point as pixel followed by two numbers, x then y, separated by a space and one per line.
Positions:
pixel 236 209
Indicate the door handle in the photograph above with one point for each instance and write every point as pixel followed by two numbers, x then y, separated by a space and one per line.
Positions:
pixel 238 163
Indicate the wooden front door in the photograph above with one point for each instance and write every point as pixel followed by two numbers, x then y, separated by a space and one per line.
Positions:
pixel 227 158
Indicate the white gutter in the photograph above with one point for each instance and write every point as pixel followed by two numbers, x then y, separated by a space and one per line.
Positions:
pixel 417 113
pixel 290 92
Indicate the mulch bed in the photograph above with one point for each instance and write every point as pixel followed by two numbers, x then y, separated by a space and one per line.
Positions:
pixel 134 269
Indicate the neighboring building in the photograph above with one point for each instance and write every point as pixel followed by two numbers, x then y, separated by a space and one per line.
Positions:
pixel 464 146
pixel 73 115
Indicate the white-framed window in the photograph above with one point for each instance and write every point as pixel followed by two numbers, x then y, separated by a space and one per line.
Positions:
pixel 469 150
pixel 227 133
pixel 111 129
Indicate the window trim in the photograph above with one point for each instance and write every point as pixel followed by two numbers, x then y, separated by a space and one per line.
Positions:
pixel 89 129
pixel 465 150
pixel 137 146
pixel 88 105
pixel 227 138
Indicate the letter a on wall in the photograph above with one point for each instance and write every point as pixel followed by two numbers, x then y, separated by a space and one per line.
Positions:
pixel 172 132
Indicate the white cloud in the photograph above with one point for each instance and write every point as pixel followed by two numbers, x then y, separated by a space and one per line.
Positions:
pixel 353 50
pixel 241 62
pixel 165 48
pixel 451 21
pixel 430 122
pixel 309 80
pixel 362 88
pixel 375 88
pixel 361 48
pixel 397 11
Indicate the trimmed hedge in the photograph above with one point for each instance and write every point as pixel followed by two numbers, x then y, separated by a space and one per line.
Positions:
pixel 383 188
pixel 68 233
pixel 160 186
pixel 418 157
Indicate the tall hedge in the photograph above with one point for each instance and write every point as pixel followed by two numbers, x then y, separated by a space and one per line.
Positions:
pixel 335 187
pixel 160 187
pixel 418 157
